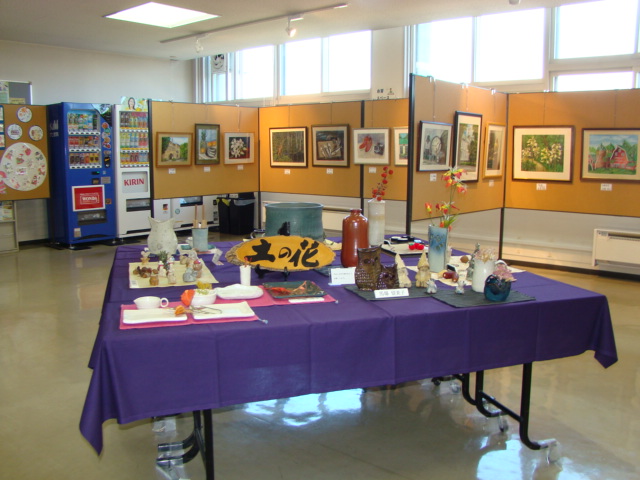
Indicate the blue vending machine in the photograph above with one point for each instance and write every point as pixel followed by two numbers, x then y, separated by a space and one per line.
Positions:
pixel 82 205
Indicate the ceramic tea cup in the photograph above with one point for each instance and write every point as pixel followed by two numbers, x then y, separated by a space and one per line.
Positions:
pixel 151 302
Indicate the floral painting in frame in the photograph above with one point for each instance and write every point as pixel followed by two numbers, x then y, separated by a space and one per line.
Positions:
pixel 610 154
pixel 238 147
pixel 542 153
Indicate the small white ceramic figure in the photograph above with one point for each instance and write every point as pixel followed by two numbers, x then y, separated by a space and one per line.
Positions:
pixel 189 275
pixel 423 275
pixel 217 253
pixel 144 257
pixel 403 277
pixel 431 286
pixel 460 286
pixel 171 277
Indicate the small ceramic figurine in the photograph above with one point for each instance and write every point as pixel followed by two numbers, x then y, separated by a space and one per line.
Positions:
pixel 153 279
pixel 431 286
pixel 144 258
pixel 217 253
pixel 197 268
pixel 184 259
pixel 162 272
pixel 423 275
pixel 460 286
pixel 189 275
pixel 472 261
pixel 171 277
pixel 387 278
pixel 403 277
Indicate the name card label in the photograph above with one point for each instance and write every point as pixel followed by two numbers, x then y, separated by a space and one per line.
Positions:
pixel 391 293
pixel 343 276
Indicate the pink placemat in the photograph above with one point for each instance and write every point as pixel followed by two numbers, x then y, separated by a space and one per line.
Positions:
pixel 189 321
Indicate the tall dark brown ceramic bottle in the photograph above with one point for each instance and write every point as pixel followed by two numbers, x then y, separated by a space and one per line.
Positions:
pixel 355 234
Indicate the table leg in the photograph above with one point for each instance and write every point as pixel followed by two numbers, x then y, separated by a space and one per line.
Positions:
pixel 192 442
pixel 208 445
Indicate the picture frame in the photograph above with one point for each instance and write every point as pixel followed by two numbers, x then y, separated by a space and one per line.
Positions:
pixel 542 153
pixel 330 145
pixel 288 147
pixel 174 149
pixel 207 144
pixel 466 144
pixel 401 146
pixel 435 147
pixel 494 146
pixel 238 148
pixel 610 154
pixel 370 146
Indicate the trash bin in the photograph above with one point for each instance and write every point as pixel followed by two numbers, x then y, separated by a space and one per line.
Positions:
pixel 236 213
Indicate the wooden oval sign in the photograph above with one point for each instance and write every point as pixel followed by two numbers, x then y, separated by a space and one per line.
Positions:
pixel 280 253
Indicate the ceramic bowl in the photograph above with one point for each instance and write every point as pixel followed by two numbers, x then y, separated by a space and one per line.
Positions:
pixel 204 299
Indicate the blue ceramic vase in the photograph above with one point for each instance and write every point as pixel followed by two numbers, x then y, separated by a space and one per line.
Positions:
pixel 438 241
pixel 496 289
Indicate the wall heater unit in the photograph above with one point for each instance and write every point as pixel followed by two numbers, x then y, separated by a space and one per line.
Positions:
pixel 617 247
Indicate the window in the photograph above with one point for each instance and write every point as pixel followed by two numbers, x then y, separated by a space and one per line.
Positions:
pixel 441 42
pixel 594 81
pixel 348 62
pixel 302 67
pixel 255 72
pixel 510 46
pixel 595 29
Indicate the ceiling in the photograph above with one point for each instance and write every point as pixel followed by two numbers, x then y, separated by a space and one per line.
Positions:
pixel 81 24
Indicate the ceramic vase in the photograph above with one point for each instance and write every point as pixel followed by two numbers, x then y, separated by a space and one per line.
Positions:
pixel 438 248
pixel 355 231
pixel 481 270
pixel 376 216
pixel 162 237
pixel 368 268
pixel 496 289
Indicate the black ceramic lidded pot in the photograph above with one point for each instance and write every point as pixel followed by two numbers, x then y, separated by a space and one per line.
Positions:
pixel 355 235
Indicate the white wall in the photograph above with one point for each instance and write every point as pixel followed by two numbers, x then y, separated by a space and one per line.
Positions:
pixel 70 75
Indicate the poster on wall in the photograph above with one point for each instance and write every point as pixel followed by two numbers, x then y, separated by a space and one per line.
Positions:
pixel 207 144
pixel 435 150
pixel 238 148
pixel 288 147
pixel 330 146
pixel 494 150
pixel 466 144
pixel 371 146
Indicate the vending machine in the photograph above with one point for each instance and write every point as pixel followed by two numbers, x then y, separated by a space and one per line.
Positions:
pixel 82 206
pixel 132 147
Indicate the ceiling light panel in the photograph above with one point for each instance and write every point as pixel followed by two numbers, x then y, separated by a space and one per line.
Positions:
pixel 160 15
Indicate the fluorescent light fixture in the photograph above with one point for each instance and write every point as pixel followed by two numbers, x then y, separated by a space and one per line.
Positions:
pixel 160 15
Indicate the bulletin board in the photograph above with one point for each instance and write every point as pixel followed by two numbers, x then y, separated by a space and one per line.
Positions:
pixel 437 101
pixel 24 155
pixel 198 179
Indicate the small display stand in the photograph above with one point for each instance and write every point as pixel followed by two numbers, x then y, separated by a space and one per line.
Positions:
pixel 8 227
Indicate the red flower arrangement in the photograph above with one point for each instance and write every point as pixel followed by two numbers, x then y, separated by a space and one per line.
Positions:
pixel 452 179
pixel 378 191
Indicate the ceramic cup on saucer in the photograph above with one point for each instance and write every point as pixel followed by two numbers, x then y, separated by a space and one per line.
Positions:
pixel 151 302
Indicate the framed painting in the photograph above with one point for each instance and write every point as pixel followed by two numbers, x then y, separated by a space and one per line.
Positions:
pixel 401 146
pixel 435 150
pixel 330 145
pixel 288 147
pixel 173 149
pixel 494 145
pixel 610 154
pixel 207 144
pixel 371 146
pixel 466 144
pixel 542 153
pixel 238 148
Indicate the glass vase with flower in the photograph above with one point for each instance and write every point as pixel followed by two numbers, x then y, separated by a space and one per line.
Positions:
pixel 447 212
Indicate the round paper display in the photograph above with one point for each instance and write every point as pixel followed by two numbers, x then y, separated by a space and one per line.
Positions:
pixel 23 167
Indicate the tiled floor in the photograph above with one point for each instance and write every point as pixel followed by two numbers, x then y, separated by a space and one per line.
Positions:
pixel 50 302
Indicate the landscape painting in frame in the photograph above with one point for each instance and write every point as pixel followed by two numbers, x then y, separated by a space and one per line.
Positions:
pixel 401 142
pixel 435 141
pixel 174 149
pixel 542 153
pixel 494 146
pixel 207 144
pixel 610 154
pixel 330 146
pixel 371 146
pixel 466 142
pixel 238 148
pixel 289 147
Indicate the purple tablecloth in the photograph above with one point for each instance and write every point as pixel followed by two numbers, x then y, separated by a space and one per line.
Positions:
pixel 322 347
